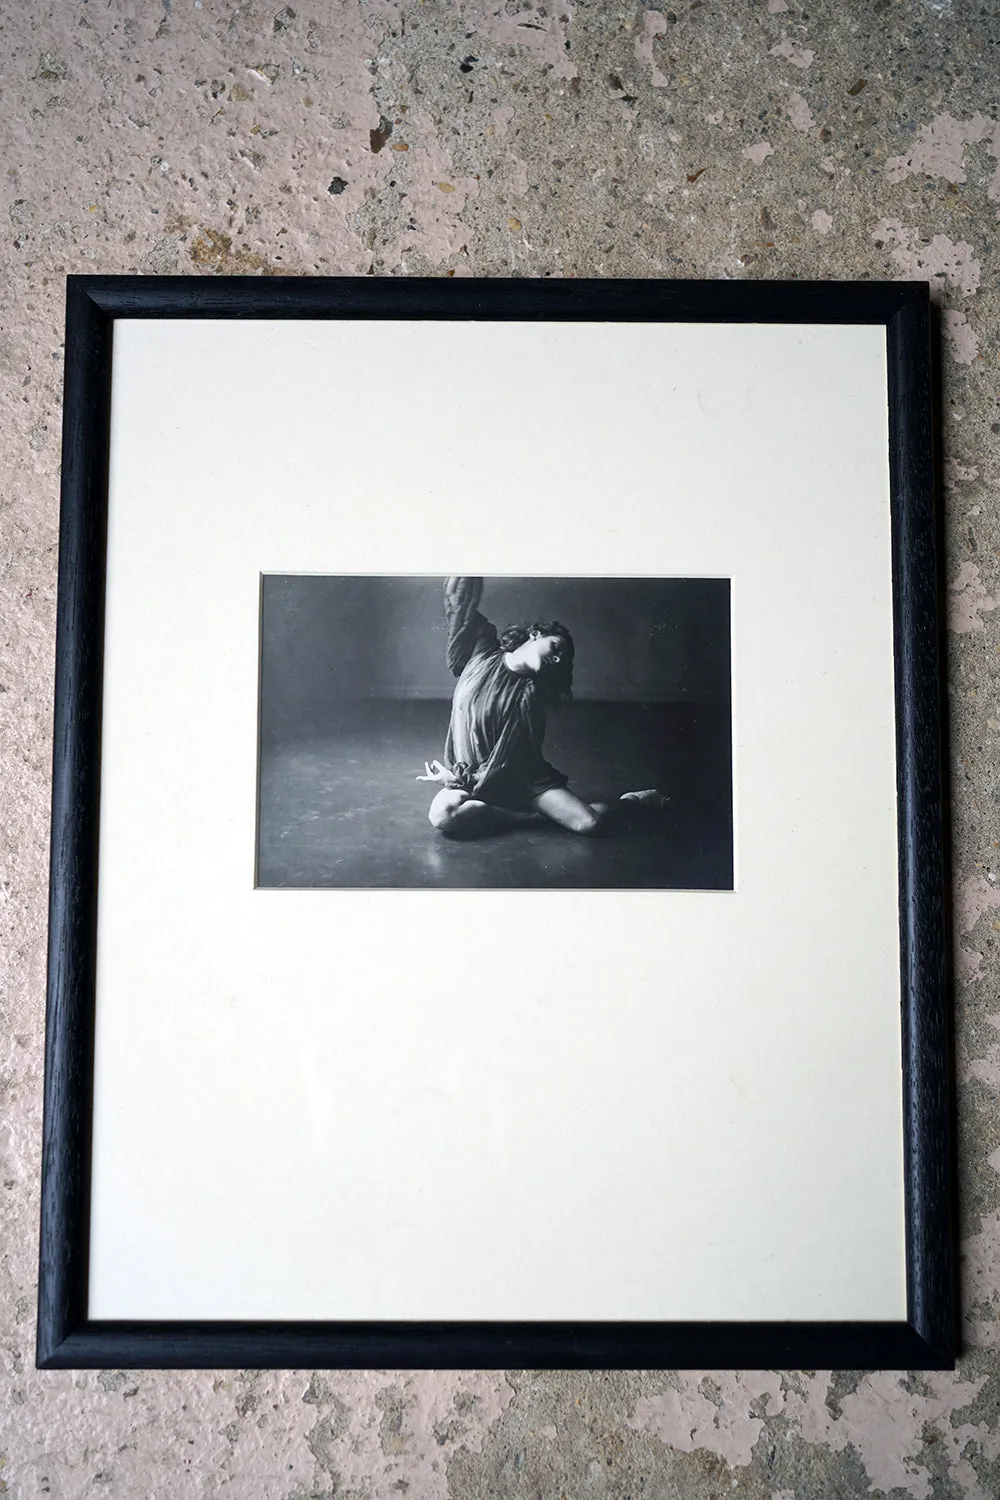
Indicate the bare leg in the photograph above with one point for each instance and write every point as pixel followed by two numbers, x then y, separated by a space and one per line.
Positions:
pixel 627 815
pixel 570 811
pixel 459 816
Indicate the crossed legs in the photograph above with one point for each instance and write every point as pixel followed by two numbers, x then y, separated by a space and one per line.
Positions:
pixel 459 816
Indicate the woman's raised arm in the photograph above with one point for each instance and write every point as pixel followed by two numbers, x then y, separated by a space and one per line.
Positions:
pixel 468 630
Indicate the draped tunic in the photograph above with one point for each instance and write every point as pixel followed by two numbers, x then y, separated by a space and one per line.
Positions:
pixel 494 744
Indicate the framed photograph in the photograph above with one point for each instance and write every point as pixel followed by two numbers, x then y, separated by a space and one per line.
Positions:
pixel 498 891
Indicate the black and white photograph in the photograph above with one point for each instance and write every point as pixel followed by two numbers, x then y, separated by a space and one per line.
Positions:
pixel 506 732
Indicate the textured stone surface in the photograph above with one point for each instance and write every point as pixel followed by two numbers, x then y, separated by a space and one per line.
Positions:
pixel 748 139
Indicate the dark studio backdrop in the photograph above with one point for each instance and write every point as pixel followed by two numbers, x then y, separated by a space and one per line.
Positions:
pixel 355 696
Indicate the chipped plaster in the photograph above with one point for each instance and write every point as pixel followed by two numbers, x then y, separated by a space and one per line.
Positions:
pixel 968 598
pixel 961 338
pixel 940 261
pixel 794 53
pixel 398 137
pixel 758 153
pixel 799 113
pixel 653 25
pixel 939 151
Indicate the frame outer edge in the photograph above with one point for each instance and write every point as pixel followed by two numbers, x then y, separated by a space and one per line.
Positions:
pixel 465 1346
pixel 65 1338
pixel 69 1020
pixel 556 299
pixel 926 1032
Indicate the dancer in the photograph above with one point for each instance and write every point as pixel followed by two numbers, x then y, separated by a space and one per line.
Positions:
pixel 494 774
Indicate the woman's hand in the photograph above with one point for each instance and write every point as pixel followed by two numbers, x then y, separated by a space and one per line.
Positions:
pixel 438 772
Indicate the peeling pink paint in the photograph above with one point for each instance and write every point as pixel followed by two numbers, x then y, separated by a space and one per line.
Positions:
pixel 981 1284
pixel 821 221
pixel 968 964
pixel 653 25
pixel 501 118
pixel 975 897
pixel 759 153
pixel 437 195
pixel 956 473
pixel 542 31
pixel 962 341
pixel 939 150
pixel 687 1418
pixel 518 177
pixel 942 262
pixel 794 53
pixel 15 1150
pixel 882 1421
pixel 958 1438
pixel 776 7
pixel 799 112
pixel 301 1433
pixel 985 1067
pixel 967 599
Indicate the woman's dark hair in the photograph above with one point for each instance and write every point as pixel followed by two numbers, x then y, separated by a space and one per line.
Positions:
pixel 555 680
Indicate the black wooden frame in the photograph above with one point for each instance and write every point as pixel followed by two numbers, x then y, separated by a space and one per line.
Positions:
pixel 66 1338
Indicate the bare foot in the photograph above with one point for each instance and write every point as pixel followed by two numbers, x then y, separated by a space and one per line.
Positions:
pixel 651 797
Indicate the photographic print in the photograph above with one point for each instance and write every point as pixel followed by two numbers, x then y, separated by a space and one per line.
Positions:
pixel 502 732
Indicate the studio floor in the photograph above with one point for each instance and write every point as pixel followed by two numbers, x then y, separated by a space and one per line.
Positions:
pixel 343 808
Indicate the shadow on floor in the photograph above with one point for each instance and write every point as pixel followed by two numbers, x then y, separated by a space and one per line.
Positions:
pixel 343 809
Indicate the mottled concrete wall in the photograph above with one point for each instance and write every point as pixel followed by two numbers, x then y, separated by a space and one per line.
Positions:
pixel 749 139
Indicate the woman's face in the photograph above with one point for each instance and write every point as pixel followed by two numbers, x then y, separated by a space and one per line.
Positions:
pixel 550 650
